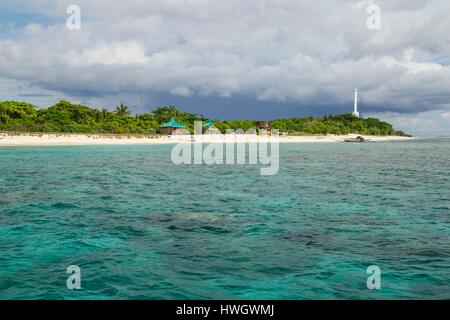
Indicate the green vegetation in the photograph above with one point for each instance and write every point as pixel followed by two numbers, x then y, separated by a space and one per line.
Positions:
pixel 336 124
pixel 66 117
pixel 123 111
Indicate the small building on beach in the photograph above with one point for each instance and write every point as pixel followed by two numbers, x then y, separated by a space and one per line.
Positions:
pixel 210 128
pixel 172 127
pixel 265 127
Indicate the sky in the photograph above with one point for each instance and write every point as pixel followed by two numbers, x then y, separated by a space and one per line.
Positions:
pixel 234 59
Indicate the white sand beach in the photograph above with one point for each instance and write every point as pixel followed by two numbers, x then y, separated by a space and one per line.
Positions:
pixel 37 139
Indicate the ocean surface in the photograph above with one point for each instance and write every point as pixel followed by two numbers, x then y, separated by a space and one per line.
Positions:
pixel 141 227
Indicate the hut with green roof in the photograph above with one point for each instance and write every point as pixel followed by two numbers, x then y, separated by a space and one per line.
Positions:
pixel 172 127
pixel 210 128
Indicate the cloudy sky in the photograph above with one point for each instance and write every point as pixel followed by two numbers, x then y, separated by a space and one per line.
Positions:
pixel 234 59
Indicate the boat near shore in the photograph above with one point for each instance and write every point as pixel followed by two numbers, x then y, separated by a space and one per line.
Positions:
pixel 356 138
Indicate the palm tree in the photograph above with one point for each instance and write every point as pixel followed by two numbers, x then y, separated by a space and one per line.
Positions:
pixel 123 111
pixel 163 114
pixel 104 114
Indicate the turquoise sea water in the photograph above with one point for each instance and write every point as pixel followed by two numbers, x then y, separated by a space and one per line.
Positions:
pixel 141 227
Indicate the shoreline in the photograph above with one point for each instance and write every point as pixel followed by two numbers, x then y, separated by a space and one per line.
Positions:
pixel 15 139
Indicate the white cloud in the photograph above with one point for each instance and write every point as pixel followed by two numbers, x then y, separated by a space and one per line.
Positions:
pixel 430 123
pixel 181 91
pixel 128 52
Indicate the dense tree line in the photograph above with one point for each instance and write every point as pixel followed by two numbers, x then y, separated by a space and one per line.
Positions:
pixel 336 124
pixel 66 117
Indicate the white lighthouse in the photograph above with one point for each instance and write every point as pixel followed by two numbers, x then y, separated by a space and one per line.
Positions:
pixel 355 106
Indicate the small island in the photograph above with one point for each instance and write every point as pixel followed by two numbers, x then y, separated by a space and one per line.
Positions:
pixel 22 123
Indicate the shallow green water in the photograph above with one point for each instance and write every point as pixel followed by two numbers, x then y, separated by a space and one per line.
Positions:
pixel 141 227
